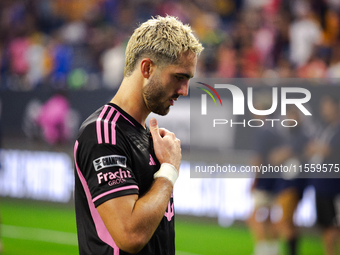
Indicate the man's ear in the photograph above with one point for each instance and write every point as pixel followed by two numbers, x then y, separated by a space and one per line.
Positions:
pixel 147 67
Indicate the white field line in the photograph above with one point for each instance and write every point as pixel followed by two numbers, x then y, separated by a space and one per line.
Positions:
pixel 50 236
pixel 38 234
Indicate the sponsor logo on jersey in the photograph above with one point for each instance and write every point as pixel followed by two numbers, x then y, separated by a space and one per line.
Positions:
pixel 114 178
pixel 109 161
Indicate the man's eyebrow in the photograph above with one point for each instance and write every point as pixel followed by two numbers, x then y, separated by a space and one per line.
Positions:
pixel 186 75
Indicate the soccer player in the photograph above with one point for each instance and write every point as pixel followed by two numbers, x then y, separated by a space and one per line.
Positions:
pixel 324 151
pixel 266 140
pixel 289 190
pixel 125 172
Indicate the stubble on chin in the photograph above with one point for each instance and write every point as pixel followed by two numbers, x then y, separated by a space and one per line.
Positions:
pixel 154 95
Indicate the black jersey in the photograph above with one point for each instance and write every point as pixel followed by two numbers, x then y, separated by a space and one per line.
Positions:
pixel 114 157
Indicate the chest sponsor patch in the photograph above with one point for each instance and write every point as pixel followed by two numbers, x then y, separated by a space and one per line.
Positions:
pixel 109 161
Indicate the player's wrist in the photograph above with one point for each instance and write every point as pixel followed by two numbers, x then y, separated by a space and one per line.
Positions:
pixel 167 171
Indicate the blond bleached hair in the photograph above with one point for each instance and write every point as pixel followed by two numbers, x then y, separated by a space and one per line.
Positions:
pixel 162 39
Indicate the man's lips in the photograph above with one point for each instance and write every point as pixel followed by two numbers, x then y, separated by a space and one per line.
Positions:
pixel 172 101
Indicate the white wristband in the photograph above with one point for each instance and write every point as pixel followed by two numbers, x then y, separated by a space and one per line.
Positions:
pixel 167 171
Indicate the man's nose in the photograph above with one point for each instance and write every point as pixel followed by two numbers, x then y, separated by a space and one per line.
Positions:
pixel 184 89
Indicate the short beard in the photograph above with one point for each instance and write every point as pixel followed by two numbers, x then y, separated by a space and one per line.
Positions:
pixel 153 94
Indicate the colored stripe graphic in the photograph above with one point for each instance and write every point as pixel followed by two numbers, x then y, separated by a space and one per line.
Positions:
pixel 208 92
pixel 212 89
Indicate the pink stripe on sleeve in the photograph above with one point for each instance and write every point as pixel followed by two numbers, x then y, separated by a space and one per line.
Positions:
pixel 102 231
pixel 106 125
pixel 113 128
pixel 98 124
pixel 115 190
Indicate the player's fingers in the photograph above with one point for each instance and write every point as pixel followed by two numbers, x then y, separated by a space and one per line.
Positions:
pixel 163 132
pixel 154 129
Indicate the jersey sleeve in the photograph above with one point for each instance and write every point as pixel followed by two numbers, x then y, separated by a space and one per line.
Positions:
pixel 107 171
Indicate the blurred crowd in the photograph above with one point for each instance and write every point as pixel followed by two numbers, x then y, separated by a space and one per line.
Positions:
pixel 80 44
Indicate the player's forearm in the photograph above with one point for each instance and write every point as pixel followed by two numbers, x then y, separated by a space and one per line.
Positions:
pixel 149 209
pixel 146 214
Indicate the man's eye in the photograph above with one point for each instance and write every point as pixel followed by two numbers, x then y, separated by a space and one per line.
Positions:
pixel 179 78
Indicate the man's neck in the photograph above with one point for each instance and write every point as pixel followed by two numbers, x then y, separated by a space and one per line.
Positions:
pixel 129 97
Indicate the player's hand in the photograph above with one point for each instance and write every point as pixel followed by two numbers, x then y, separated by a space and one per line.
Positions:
pixel 167 147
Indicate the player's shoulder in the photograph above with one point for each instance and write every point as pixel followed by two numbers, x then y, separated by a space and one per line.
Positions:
pixel 88 127
pixel 107 125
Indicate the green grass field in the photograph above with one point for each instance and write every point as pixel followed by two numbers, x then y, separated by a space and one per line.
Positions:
pixel 34 228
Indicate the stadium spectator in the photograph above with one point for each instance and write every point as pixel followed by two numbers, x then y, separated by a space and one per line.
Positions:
pixel 226 60
pixel 17 49
pixel 333 71
pixel 305 34
pixel 62 62
pixel 35 56
pixel 113 64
